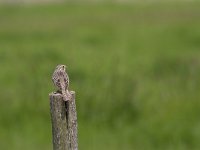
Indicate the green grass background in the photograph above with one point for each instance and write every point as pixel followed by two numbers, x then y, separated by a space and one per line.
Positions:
pixel 135 69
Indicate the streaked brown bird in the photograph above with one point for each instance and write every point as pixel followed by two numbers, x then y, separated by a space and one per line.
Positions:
pixel 61 81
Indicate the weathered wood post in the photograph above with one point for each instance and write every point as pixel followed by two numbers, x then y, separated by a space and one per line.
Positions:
pixel 64 122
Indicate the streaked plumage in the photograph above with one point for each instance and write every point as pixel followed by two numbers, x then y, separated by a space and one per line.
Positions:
pixel 61 81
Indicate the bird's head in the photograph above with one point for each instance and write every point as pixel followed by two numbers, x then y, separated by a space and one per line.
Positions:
pixel 61 67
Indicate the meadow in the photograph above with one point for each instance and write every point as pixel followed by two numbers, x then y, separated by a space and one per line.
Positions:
pixel 135 69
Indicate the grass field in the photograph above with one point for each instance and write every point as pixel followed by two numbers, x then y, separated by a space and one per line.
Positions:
pixel 135 69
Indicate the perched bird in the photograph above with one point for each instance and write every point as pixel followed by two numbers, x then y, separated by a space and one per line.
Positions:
pixel 61 81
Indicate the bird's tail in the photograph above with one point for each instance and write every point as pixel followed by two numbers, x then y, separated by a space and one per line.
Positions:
pixel 65 95
pixel 64 92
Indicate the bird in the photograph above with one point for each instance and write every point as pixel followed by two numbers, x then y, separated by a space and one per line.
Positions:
pixel 60 80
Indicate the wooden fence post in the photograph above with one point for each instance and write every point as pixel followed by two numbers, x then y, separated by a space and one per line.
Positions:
pixel 64 122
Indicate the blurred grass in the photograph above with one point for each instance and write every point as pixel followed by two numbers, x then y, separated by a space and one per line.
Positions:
pixel 135 69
